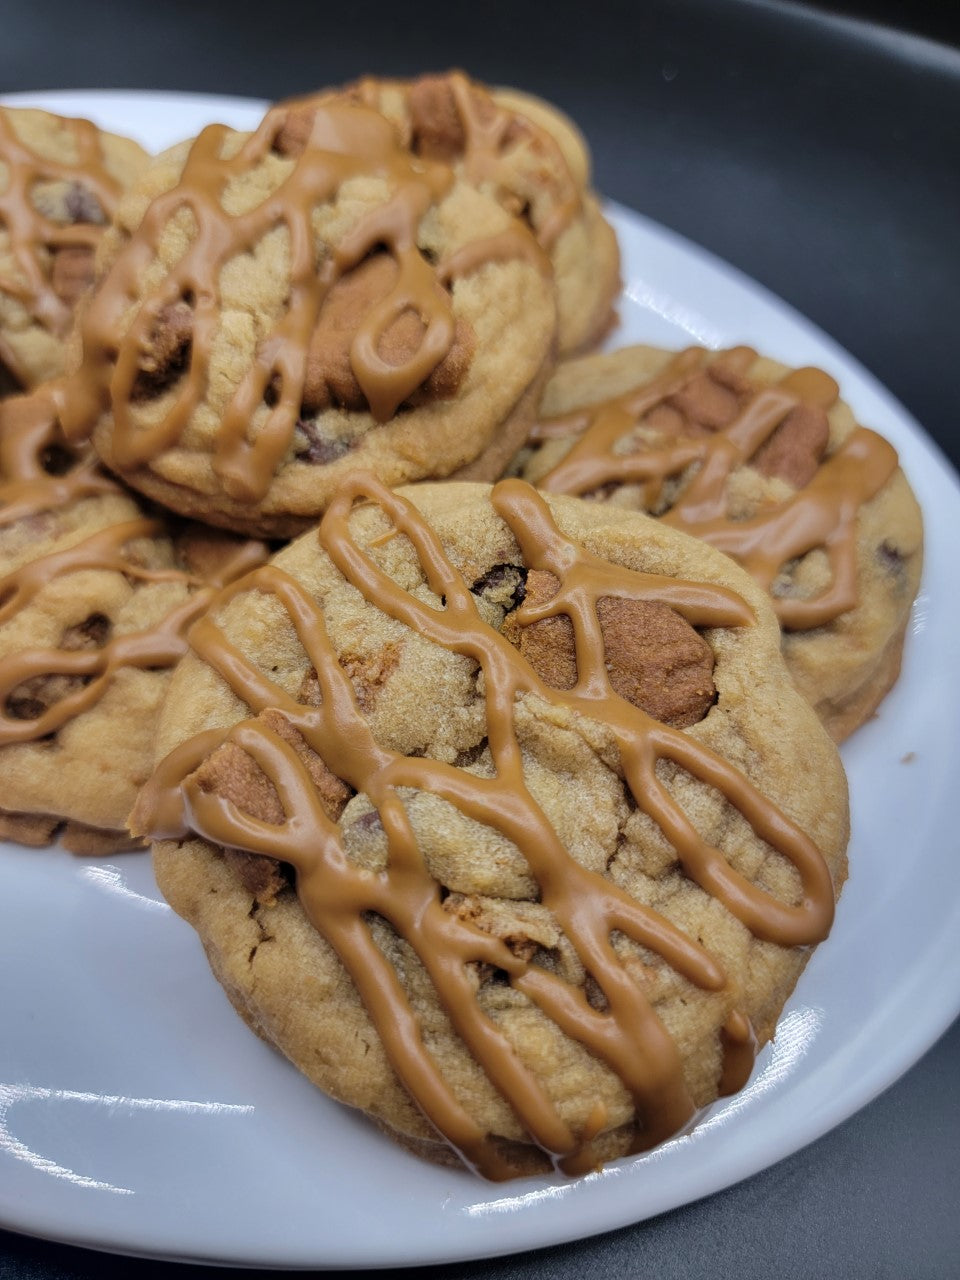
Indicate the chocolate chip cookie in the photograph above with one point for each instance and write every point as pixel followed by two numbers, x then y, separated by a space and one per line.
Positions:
pixel 275 309
pixel 533 160
pixel 769 465
pixel 499 815
pixel 95 601
pixel 60 181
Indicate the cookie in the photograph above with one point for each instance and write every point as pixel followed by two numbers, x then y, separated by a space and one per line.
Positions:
pixel 530 157
pixel 523 920
pixel 769 465
pixel 277 308
pixel 95 601
pixel 60 181
pixel 565 132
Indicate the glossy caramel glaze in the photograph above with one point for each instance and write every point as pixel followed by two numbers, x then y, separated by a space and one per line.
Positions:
pixel 30 445
pixel 822 514
pixel 339 897
pixel 324 146
pixel 33 235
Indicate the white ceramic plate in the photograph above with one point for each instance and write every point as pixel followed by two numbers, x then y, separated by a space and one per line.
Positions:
pixel 138 1114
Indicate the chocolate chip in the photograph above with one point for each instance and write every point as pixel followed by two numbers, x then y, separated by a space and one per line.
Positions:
pixel 29 700
pixel 471 755
pixel 368 821
pixel 92 633
pixel 82 205
pixel 595 995
pixel 890 557
pixel 495 977
pixel 57 459
pixel 23 707
pixel 320 449
pixel 504 585
pixel 9 384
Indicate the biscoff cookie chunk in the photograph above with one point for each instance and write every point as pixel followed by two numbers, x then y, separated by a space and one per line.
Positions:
pixel 95 602
pixel 769 465
pixel 60 182
pixel 533 160
pixel 277 308
pixel 520 883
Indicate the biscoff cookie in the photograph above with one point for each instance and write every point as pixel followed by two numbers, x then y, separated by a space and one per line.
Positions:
pixel 769 465
pixel 277 308
pixel 532 159
pixel 60 182
pixel 95 602
pixel 545 913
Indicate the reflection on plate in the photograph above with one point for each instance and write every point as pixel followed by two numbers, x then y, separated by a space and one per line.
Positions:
pixel 138 1114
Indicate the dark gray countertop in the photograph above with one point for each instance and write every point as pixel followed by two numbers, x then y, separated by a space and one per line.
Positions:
pixel 820 155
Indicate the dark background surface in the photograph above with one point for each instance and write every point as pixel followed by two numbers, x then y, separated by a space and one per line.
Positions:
pixel 818 152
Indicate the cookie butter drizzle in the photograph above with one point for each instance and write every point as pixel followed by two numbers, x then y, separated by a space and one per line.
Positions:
pixel 29 427
pixel 823 514
pixel 29 232
pixel 488 130
pixel 345 142
pixel 336 895
pixel 28 430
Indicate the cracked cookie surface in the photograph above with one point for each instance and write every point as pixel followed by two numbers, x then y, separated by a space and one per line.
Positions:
pixel 500 911
pixel 769 465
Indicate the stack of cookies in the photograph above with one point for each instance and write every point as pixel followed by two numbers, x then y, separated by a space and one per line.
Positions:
pixel 502 789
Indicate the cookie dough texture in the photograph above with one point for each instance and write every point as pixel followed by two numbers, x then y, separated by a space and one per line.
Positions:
pixel 423 700
pixel 845 666
pixel 60 180
pixel 502 307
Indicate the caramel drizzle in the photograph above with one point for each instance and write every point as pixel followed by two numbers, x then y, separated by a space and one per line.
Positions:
pixel 823 514
pixel 487 129
pixel 507 246
pixel 29 428
pixel 337 896
pixel 345 141
pixel 29 231
pixel 486 138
